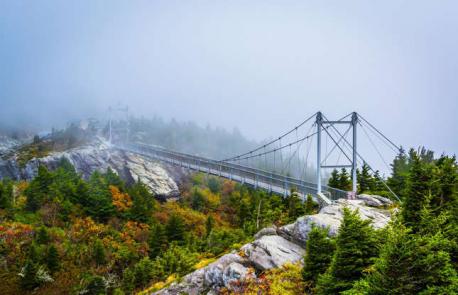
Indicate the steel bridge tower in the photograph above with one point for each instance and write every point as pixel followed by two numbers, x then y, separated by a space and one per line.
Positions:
pixel 320 122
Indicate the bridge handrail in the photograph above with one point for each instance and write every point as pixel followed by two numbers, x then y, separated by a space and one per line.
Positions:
pixel 257 175
pixel 236 166
pixel 247 170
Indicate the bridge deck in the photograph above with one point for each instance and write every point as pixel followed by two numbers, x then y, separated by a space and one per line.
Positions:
pixel 246 175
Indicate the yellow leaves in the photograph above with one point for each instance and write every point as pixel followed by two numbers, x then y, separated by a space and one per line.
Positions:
pixel 204 262
pixel 212 199
pixel 159 285
pixel 85 228
pixel 121 201
pixel 193 219
pixel 286 280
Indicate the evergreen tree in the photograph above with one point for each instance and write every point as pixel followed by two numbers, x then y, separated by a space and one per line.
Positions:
pixel 309 205
pixel 96 286
pixel 98 203
pixel 447 184
pixel 318 255
pixel 28 280
pixel 157 240
pixel 209 225
pixel 111 178
pixel 28 274
pixel 42 236
pixel 52 259
pixel 410 264
pixel 6 194
pixel 38 189
pixel 356 246
pixel 419 185
pixel 143 203
pixel 197 200
pixel 214 185
pixel 334 179
pixel 175 228
pixel 400 170
pixel 98 253
pixel 378 184
pixel 365 180
pixel 295 206
pixel 344 180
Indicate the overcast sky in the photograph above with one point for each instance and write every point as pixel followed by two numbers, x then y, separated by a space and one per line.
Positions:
pixel 261 66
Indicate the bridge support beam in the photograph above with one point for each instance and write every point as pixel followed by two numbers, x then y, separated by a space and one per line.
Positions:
pixel 319 122
pixel 354 122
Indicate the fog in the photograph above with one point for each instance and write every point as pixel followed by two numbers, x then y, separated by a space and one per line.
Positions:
pixel 259 66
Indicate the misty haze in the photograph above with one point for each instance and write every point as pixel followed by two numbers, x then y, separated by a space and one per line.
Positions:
pixel 241 147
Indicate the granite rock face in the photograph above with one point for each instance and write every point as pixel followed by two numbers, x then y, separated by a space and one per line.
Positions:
pixel 161 179
pixel 272 248
pixel 331 216
pixel 272 251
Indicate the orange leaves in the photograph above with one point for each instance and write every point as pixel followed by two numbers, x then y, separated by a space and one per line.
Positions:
pixel 12 232
pixel 228 187
pixel 85 228
pixel 121 201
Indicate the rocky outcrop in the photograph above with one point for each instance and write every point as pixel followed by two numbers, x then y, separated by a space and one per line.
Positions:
pixel 161 179
pixel 272 248
pixel 272 251
pixel 331 216
pixel 375 200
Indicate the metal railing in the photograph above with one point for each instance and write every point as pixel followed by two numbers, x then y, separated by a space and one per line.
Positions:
pixel 257 178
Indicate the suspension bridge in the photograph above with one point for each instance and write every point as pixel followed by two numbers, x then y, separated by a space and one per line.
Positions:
pixel 245 168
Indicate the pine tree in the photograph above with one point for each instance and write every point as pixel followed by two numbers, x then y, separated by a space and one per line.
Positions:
pixel 309 205
pixel 319 251
pixel 96 286
pixel 410 264
pixel 143 203
pixel 98 253
pixel 295 206
pixel 157 240
pixel 197 200
pixel 365 180
pixel 209 225
pixel 344 180
pixel 400 169
pixel 447 183
pixel 42 236
pixel 175 229
pixel 419 185
pixel 334 179
pixel 6 194
pixel 98 203
pixel 27 275
pixel 356 245
pixel 112 178
pixel 52 259
pixel 38 189
pixel 378 182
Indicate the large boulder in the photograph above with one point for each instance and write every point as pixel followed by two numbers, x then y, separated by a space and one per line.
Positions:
pixel 161 179
pixel 272 251
pixel 375 200
pixel 223 272
pixel 214 272
pixel 331 216
pixel 235 273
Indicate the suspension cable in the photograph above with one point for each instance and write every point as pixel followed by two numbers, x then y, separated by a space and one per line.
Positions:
pixel 334 147
pixel 272 141
pixel 379 132
pixel 375 147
